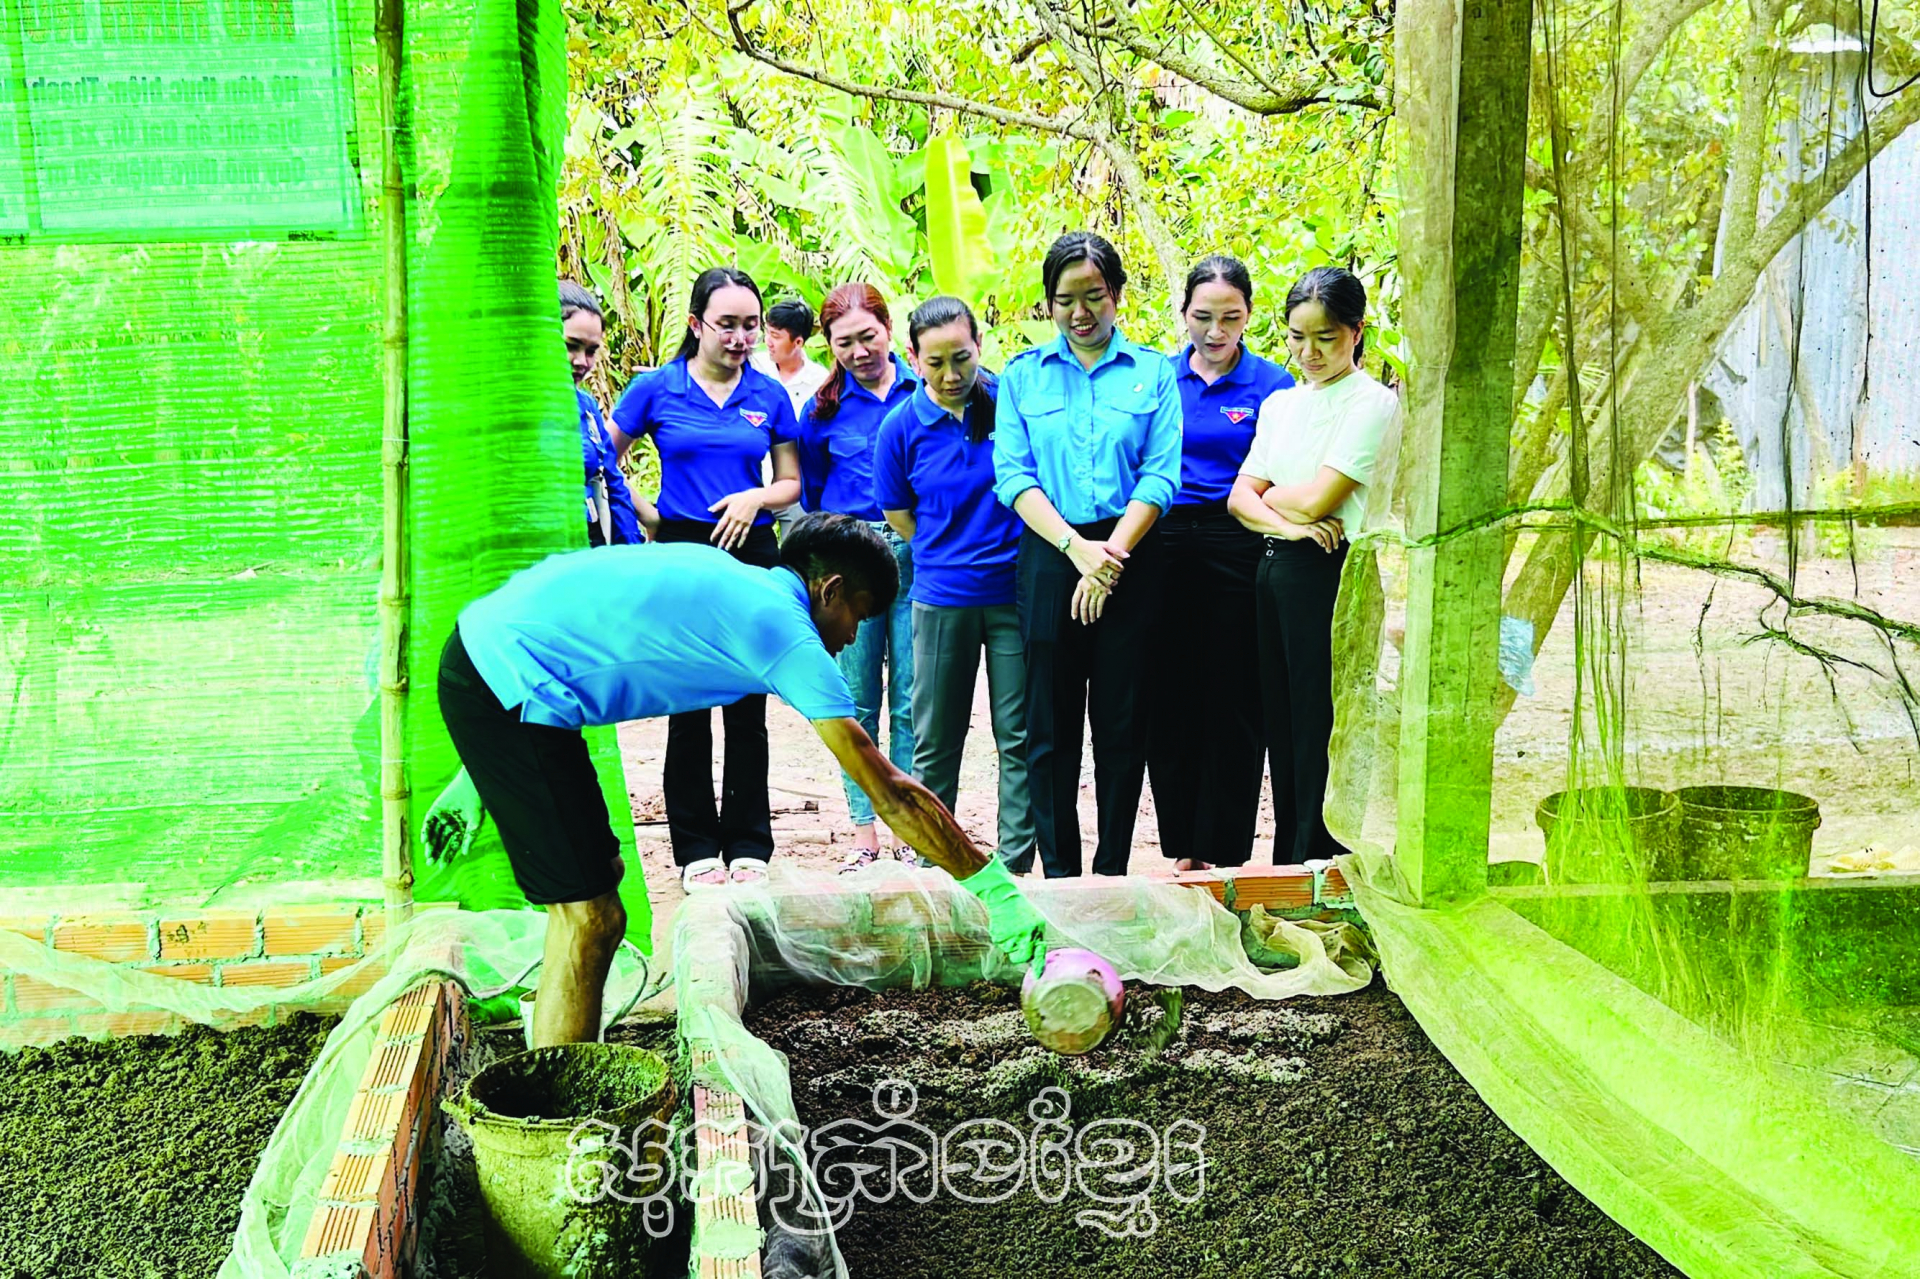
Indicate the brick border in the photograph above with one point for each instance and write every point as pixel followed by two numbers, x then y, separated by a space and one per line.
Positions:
pixel 365 1225
pixel 720 1114
pixel 272 948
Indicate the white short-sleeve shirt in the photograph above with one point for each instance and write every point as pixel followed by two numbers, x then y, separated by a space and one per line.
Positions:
pixel 1306 427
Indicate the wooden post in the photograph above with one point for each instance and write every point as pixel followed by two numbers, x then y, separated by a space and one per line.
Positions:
pixel 1463 69
pixel 396 561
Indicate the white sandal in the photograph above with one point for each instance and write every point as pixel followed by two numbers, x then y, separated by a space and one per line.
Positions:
pixel 749 870
pixel 708 872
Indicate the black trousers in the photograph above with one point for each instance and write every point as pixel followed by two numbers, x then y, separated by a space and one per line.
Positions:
pixel 1077 674
pixel 1207 744
pixel 743 824
pixel 1294 594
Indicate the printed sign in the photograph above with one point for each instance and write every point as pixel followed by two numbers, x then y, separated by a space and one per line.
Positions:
pixel 164 119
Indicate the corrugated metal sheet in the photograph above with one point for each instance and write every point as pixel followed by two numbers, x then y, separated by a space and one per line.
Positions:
pixel 1856 401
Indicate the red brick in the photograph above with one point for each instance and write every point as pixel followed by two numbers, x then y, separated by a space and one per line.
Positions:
pixel 34 1031
pixel 117 940
pixel 144 1021
pixel 895 907
pixel 1111 901
pixel 1275 887
pixel 310 930
pixel 401 1022
pixel 34 926
pixel 374 1116
pixel 371 971
pixel 213 934
pixel 31 995
pixel 819 908
pixel 266 972
pixel 338 1228
pixel 202 973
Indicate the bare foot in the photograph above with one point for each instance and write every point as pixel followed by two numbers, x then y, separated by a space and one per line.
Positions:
pixel 1189 863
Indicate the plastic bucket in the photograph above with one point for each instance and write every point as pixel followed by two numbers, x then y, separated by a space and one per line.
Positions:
pixel 1745 832
pixel 549 1210
pixel 1609 834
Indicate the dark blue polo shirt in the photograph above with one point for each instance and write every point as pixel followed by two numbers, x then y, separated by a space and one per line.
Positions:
pixel 598 456
pixel 836 455
pixel 1216 422
pixel 964 541
pixel 707 451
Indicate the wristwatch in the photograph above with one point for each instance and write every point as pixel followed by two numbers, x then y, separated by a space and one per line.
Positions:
pixel 1065 541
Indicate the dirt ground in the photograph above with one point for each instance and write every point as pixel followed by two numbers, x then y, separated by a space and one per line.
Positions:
pixel 1336 1140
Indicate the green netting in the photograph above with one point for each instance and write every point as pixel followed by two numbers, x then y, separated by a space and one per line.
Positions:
pixel 190 555
pixel 1640 851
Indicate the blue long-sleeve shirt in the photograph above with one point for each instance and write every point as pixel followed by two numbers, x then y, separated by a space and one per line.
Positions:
pixel 836 455
pixel 600 459
pixel 1092 439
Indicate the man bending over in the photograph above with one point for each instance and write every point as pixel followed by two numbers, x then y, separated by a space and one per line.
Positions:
pixel 631 632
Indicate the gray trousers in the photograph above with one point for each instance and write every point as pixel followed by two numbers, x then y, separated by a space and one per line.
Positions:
pixel 946 655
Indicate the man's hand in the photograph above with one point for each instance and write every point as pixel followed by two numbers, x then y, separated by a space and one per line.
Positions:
pixel 453 821
pixel 917 816
pixel 1017 928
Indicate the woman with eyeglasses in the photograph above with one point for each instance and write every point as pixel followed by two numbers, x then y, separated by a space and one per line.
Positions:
pixel 713 418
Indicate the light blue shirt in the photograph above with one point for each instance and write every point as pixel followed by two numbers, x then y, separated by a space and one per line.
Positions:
pixel 1091 440
pixel 631 632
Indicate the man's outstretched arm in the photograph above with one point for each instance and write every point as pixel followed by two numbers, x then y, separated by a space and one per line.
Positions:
pixel 916 815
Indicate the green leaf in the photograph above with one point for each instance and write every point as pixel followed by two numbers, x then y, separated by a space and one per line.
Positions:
pixel 956 221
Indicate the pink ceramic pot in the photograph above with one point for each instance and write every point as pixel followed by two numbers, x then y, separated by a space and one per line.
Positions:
pixel 1074 1002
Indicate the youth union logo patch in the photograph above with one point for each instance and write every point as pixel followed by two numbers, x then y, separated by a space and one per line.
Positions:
pixel 754 419
pixel 1236 415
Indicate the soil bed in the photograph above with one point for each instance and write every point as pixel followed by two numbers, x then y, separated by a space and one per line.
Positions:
pixel 1338 1142
pixel 452 1241
pixel 129 1157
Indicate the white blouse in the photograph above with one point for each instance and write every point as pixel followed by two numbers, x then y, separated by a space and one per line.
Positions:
pixel 1305 427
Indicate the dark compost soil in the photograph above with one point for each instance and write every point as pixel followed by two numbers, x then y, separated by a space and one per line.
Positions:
pixel 1338 1142
pixel 129 1157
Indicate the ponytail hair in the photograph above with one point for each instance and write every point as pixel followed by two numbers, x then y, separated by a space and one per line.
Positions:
pixel 1341 293
pixel 842 302
pixel 705 285
pixel 937 313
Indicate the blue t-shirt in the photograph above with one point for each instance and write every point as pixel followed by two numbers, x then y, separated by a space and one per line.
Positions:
pixel 597 454
pixel 1091 439
pixel 1216 422
pixel 964 541
pixel 630 632
pixel 836 455
pixel 707 451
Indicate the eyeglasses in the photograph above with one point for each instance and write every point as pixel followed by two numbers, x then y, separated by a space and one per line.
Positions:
pixel 730 329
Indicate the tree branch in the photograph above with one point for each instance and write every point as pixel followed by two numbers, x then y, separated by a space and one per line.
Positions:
pixel 1686 341
pixel 746 44
pixel 1259 98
